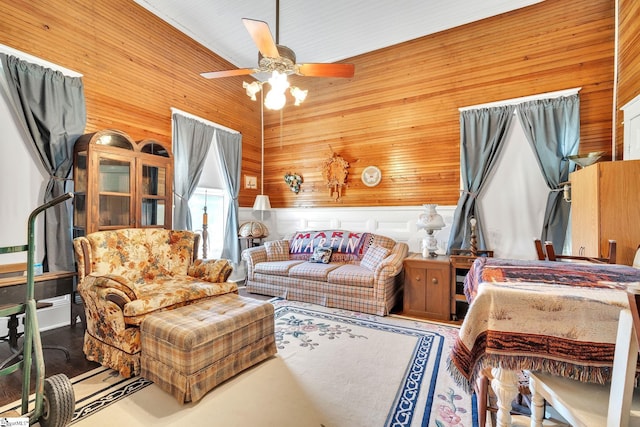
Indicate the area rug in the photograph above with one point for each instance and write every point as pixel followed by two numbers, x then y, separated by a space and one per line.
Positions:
pixel 333 368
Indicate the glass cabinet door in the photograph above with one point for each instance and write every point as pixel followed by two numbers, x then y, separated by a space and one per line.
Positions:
pixel 154 195
pixel 114 188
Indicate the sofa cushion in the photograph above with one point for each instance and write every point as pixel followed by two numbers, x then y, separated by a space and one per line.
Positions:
pixel 345 245
pixel 276 268
pixel 277 250
pixel 172 292
pixel 374 256
pixel 321 254
pixel 351 275
pixel 313 271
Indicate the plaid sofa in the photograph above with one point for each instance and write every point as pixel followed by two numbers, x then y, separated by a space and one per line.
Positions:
pixel 368 280
pixel 125 275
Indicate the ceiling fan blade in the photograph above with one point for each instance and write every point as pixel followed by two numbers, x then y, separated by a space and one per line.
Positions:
pixel 228 73
pixel 326 70
pixel 261 35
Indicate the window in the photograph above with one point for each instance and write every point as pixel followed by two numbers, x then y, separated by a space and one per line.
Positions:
pixel 514 198
pixel 214 199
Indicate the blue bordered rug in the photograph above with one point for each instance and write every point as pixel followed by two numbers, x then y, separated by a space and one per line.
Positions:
pixel 418 389
pixel 333 368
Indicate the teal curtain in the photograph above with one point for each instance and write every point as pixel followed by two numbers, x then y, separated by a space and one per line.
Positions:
pixel 229 146
pixel 51 107
pixel 552 127
pixel 482 134
pixel 191 142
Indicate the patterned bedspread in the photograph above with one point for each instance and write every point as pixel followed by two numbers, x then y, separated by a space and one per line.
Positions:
pixel 556 317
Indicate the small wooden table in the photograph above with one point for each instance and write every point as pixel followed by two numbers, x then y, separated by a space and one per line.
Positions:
pixel 461 262
pixel 13 290
pixel 250 242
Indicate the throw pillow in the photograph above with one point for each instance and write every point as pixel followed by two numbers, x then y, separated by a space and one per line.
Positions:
pixel 321 255
pixel 212 270
pixel 277 250
pixel 374 256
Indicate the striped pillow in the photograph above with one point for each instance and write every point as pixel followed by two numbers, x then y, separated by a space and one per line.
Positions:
pixel 277 250
pixel 374 256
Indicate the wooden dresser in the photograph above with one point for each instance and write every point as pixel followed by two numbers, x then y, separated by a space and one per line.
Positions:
pixel 605 205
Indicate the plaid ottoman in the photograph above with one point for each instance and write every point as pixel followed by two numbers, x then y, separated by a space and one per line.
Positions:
pixel 190 350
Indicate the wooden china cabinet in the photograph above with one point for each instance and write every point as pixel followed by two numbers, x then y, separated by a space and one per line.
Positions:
pixel 120 183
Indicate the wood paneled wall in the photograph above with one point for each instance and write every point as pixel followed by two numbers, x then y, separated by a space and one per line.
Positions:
pixel 135 68
pixel 400 111
pixel 628 63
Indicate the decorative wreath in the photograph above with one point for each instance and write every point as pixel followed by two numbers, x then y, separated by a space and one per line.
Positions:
pixel 334 171
pixel 293 180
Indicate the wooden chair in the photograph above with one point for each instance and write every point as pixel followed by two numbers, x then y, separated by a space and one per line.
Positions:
pixel 539 250
pixel 552 256
pixel 584 404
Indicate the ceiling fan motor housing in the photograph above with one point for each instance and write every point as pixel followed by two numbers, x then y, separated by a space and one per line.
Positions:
pixel 283 64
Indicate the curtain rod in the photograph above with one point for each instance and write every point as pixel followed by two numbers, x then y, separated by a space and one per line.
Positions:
pixel 547 95
pixel 39 61
pixel 205 121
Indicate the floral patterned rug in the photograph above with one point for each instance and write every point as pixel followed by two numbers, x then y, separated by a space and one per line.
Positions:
pixel 333 368
pixel 397 364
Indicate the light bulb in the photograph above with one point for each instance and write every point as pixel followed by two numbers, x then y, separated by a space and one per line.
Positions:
pixel 274 100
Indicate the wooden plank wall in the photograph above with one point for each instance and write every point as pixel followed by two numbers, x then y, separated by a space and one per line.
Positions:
pixel 400 111
pixel 628 63
pixel 135 68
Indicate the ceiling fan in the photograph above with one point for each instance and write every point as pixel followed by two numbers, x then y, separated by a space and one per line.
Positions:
pixel 275 57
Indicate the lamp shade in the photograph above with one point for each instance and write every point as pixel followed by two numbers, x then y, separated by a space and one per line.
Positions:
pixel 262 203
pixel 431 220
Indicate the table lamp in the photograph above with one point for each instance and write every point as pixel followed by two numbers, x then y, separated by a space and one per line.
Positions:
pixel 431 221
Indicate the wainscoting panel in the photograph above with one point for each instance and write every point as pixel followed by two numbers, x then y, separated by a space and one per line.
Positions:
pixel 398 222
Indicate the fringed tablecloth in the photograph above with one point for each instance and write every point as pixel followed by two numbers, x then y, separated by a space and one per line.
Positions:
pixel 557 317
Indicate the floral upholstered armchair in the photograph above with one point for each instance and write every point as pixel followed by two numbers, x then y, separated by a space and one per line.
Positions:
pixel 126 275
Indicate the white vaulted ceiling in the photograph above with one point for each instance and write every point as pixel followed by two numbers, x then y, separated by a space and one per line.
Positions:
pixel 320 30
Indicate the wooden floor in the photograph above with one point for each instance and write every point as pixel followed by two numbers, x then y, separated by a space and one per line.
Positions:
pixel 55 360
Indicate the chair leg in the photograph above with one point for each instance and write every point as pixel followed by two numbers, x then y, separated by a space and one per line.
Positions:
pixel 12 338
pixel 537 405
pixel 485 411
pixel 483 389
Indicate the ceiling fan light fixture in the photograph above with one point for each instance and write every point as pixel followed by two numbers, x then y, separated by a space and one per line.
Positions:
pixel 252 89
pixel 299 95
